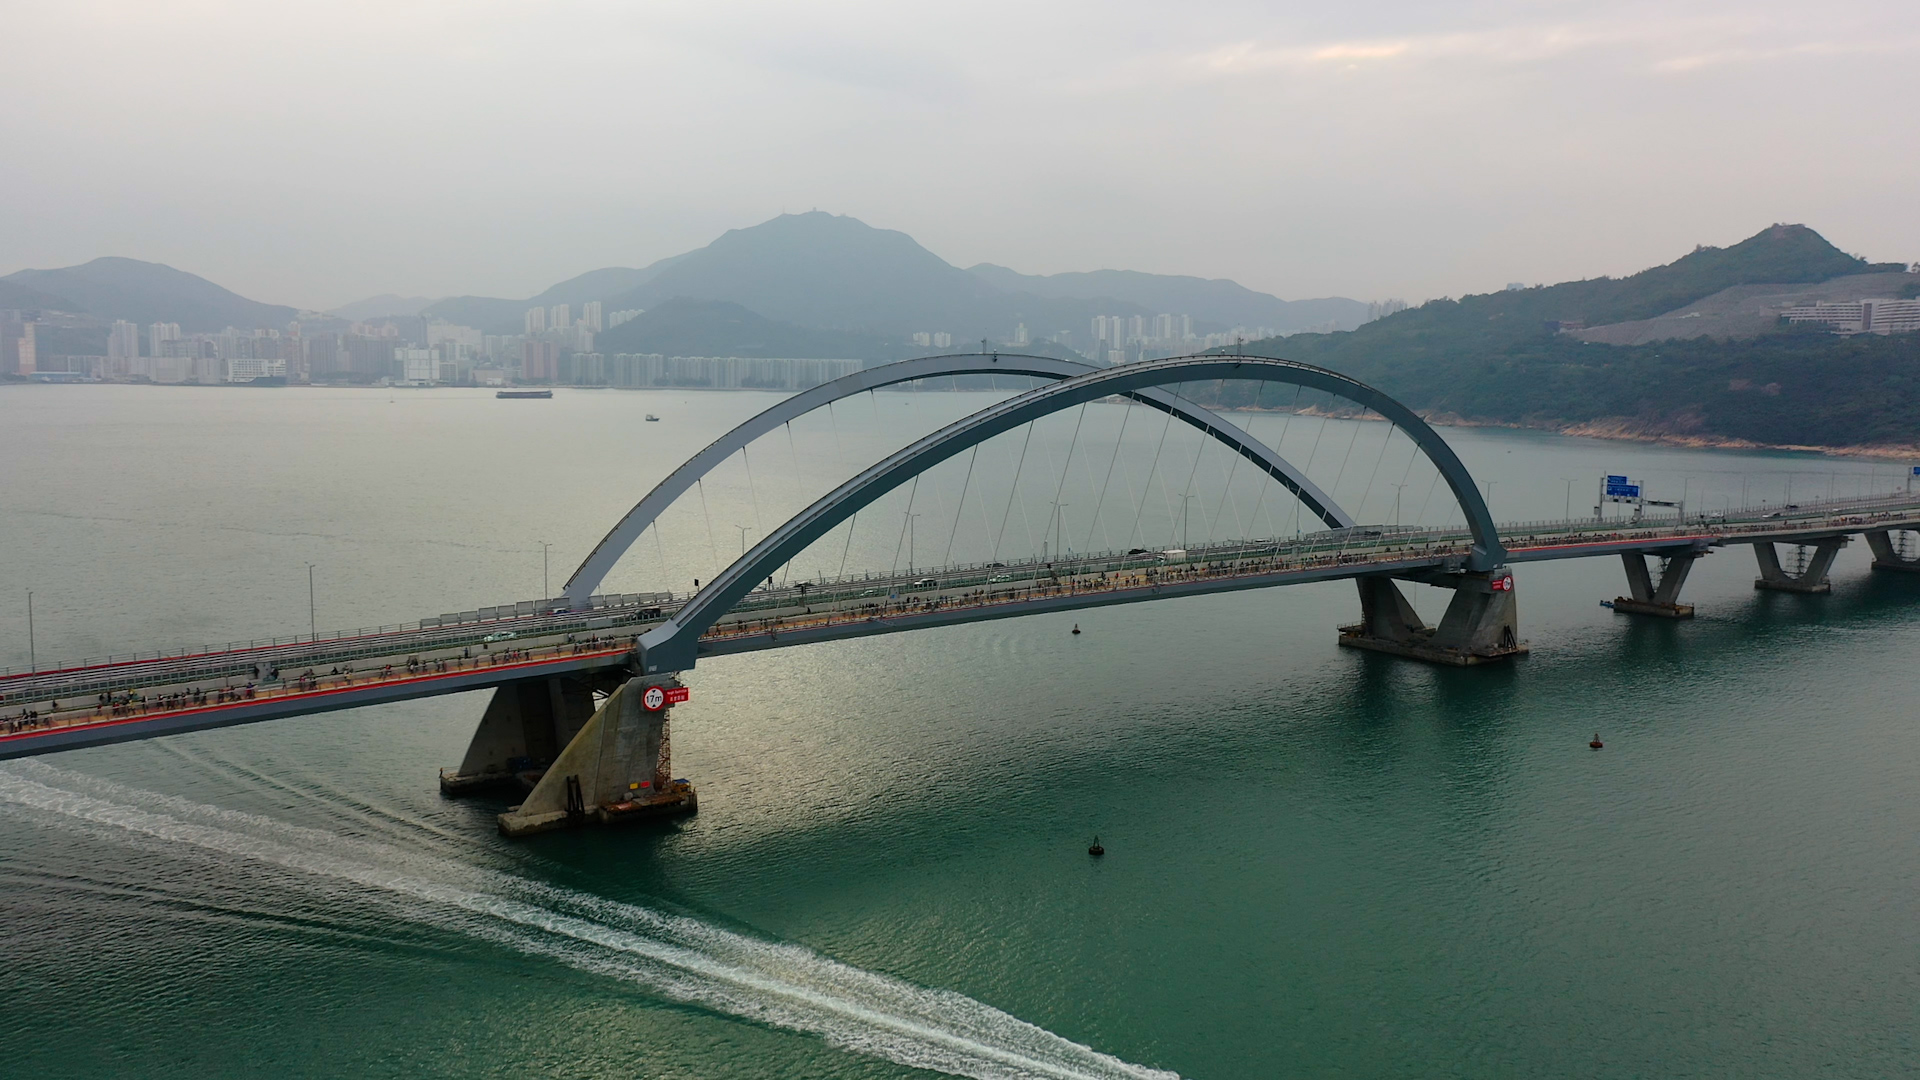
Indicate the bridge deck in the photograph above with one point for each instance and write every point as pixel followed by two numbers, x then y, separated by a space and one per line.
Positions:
pixel 113 702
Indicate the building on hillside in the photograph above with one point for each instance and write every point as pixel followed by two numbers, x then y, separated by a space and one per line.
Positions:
pixel 1883 316
pixel 1380 309
pixel 590 316
pixel 624 316
pixel 558 317
pixel 536 320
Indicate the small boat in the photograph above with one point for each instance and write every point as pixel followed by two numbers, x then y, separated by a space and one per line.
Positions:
pixel 524 394
pixel 652 419
pixel 1596 743
pixel 1094 849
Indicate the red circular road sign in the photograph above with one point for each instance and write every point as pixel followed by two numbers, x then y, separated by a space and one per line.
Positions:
pixel 653 698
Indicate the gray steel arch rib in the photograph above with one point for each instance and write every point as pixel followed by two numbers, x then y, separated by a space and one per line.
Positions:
pixel 580 587
pixel 673 645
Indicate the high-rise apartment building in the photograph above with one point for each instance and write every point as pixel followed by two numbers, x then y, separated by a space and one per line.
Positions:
pixel 558 317
pixel 590 315
pixel 123 344
pixel 159 334
pixel 27 350
pixel 536 320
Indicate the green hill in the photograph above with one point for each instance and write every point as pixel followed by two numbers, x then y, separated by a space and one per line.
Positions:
pixel 1498 357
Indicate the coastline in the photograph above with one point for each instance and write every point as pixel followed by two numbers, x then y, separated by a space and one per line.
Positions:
pixel 1625 429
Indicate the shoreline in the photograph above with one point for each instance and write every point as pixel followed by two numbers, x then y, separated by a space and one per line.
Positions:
pixel 1622 429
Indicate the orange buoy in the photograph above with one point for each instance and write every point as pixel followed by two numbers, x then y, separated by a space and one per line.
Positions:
pixel 1596 743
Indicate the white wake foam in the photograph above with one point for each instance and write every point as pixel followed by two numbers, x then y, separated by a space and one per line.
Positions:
pixel 674 956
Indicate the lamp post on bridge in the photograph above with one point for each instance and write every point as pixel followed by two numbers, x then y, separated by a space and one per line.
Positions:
pixel 1397 489
pixel 313 624
pixel 910 515
pixel 1185 501
pixel 1059 532
pixel 1568 512
pixel 544 548
pixel 744 530
pixel 33 657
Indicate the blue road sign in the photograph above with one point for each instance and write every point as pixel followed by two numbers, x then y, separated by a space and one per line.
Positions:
pixel 1619 488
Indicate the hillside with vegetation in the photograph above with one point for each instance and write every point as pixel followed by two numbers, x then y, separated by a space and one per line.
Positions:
pixel 1500 358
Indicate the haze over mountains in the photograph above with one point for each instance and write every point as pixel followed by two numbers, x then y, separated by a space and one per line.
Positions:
pixel 824 271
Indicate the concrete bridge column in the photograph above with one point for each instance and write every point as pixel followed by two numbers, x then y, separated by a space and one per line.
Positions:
pixel 1663 599
pixel 1888 553
pixel 1811 579
pixel 525 725
pixel 1481 623
pixel 615 769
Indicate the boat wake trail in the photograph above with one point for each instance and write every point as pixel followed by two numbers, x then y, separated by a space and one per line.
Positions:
pixel 673 956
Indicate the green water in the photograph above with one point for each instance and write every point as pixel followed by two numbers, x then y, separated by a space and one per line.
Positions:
pixel 1320 863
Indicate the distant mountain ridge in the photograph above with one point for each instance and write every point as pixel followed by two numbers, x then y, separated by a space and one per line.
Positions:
pixel 835 272
pixel 144 292
pixel 686 326
pixel 1216 300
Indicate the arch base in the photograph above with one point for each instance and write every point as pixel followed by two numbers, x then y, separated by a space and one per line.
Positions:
pixel 616 769
pixel 1481 625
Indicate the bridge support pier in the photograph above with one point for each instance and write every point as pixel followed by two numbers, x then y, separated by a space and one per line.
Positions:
pixel 1662 600
pixel 1891 553
pixel 523 729
pixel 616 769
pixel 1809 578
pixel 1481 624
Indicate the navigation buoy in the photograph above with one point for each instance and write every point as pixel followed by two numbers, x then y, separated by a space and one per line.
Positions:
pixel 1076 628
pixel 1095 849
pixel 1596 743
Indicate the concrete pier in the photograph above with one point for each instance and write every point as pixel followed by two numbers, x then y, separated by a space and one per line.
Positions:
pixel 1812 578
pixel 615 769
pixel 1481 624
pixel 1893 553
pixel 1661 600
pixel 523 729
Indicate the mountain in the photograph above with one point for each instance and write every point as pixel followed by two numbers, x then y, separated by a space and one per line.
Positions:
pixel 1214 300
pixel 1503 358
pixel 498 316
pixel 686 326
pixel 15 296
pixel 819 269
pixel 374 307
pixel 144 292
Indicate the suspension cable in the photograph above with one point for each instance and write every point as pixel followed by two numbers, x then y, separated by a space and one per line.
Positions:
pixel 1060 488
pixel 1101 500
pixel 960 510
pixel 1012 492
pixel 711 546
pixel 1141 508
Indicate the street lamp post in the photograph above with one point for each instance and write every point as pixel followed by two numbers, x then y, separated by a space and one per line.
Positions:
pixel 1397 489
pixel 896 552
pixel 33 657
pixel 545 547
pixel 744 530
pixel 313 624
pixel 1568 512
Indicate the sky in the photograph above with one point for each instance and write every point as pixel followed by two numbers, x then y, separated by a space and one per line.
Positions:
pixel 314 153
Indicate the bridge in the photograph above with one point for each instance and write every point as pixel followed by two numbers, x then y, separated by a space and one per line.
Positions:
pixel 583 683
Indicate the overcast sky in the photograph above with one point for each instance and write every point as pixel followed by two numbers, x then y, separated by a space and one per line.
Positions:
pixel 314 153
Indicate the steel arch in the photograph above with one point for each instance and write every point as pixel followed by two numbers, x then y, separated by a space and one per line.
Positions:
pixel 673 645
pixel 580 587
